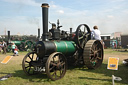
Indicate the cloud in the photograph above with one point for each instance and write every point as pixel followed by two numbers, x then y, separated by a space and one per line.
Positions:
pixel 125 11
pixel 117 0
pixel 53 6
pixel 61 11
pixel 110 16
pixel 24 2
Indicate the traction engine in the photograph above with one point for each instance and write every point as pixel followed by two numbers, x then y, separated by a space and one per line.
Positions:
pixel 58 48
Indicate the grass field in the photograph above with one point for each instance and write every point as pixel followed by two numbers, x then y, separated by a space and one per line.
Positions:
pixel 74 76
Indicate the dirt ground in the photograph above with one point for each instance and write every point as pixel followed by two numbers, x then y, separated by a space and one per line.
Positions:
pixel 120 56
pixel 112 53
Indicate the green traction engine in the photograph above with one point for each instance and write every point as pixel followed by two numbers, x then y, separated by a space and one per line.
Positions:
pixel 23 43
pixel 58 48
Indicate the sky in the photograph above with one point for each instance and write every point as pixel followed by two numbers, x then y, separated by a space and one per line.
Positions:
pixel 24 17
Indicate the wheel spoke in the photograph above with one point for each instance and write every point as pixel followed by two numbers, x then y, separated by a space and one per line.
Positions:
pixel 60 71
pixel 55 75
pixel 92 50
pixel 93 47
pixel 87 34
pixel 30 57
pixel 58 59
pixel 98 50
pixel 53 64
pixel 53 59
pixel 84 29
pixel 27 62
pixel 51 68
pixel 29 69
pixel 80 30
pixel 62 63
pixel 99 58
pixel 27 66
pixel 80 37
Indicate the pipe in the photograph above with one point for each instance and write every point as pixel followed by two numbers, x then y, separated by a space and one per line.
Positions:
pixel 45 7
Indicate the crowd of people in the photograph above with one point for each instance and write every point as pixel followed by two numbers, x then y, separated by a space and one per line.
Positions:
pixel 3 48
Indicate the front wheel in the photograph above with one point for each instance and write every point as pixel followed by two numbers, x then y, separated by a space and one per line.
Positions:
pixel 56 66
pixel 27 66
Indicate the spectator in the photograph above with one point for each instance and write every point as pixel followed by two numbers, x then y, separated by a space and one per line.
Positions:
pixel 4 47
pixel 113 45
pixel 13 47
pixel 96 33
pixel 16 51
pixel 1 46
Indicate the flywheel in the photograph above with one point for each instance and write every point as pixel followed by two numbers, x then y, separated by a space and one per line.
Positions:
pixel 83 34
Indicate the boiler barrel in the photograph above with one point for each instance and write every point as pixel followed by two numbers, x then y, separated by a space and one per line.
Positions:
pixel 66 47
pixel 48 47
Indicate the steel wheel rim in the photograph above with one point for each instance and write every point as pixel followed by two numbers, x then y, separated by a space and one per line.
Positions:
pixel 56 69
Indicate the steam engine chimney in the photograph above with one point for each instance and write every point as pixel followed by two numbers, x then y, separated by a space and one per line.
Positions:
pixel 45 7
pixel 8 36
pixel 38 33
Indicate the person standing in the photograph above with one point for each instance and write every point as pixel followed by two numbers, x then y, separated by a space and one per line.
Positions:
pixel 4 47
pixel 1 46
pixel 96 33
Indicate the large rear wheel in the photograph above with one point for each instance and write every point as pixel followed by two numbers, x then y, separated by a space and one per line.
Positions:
pixel 93 54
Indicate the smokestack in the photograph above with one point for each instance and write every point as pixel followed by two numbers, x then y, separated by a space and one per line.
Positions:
pixel 45 7
pixel 38 33
pixel 70 30
pixel 8 36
